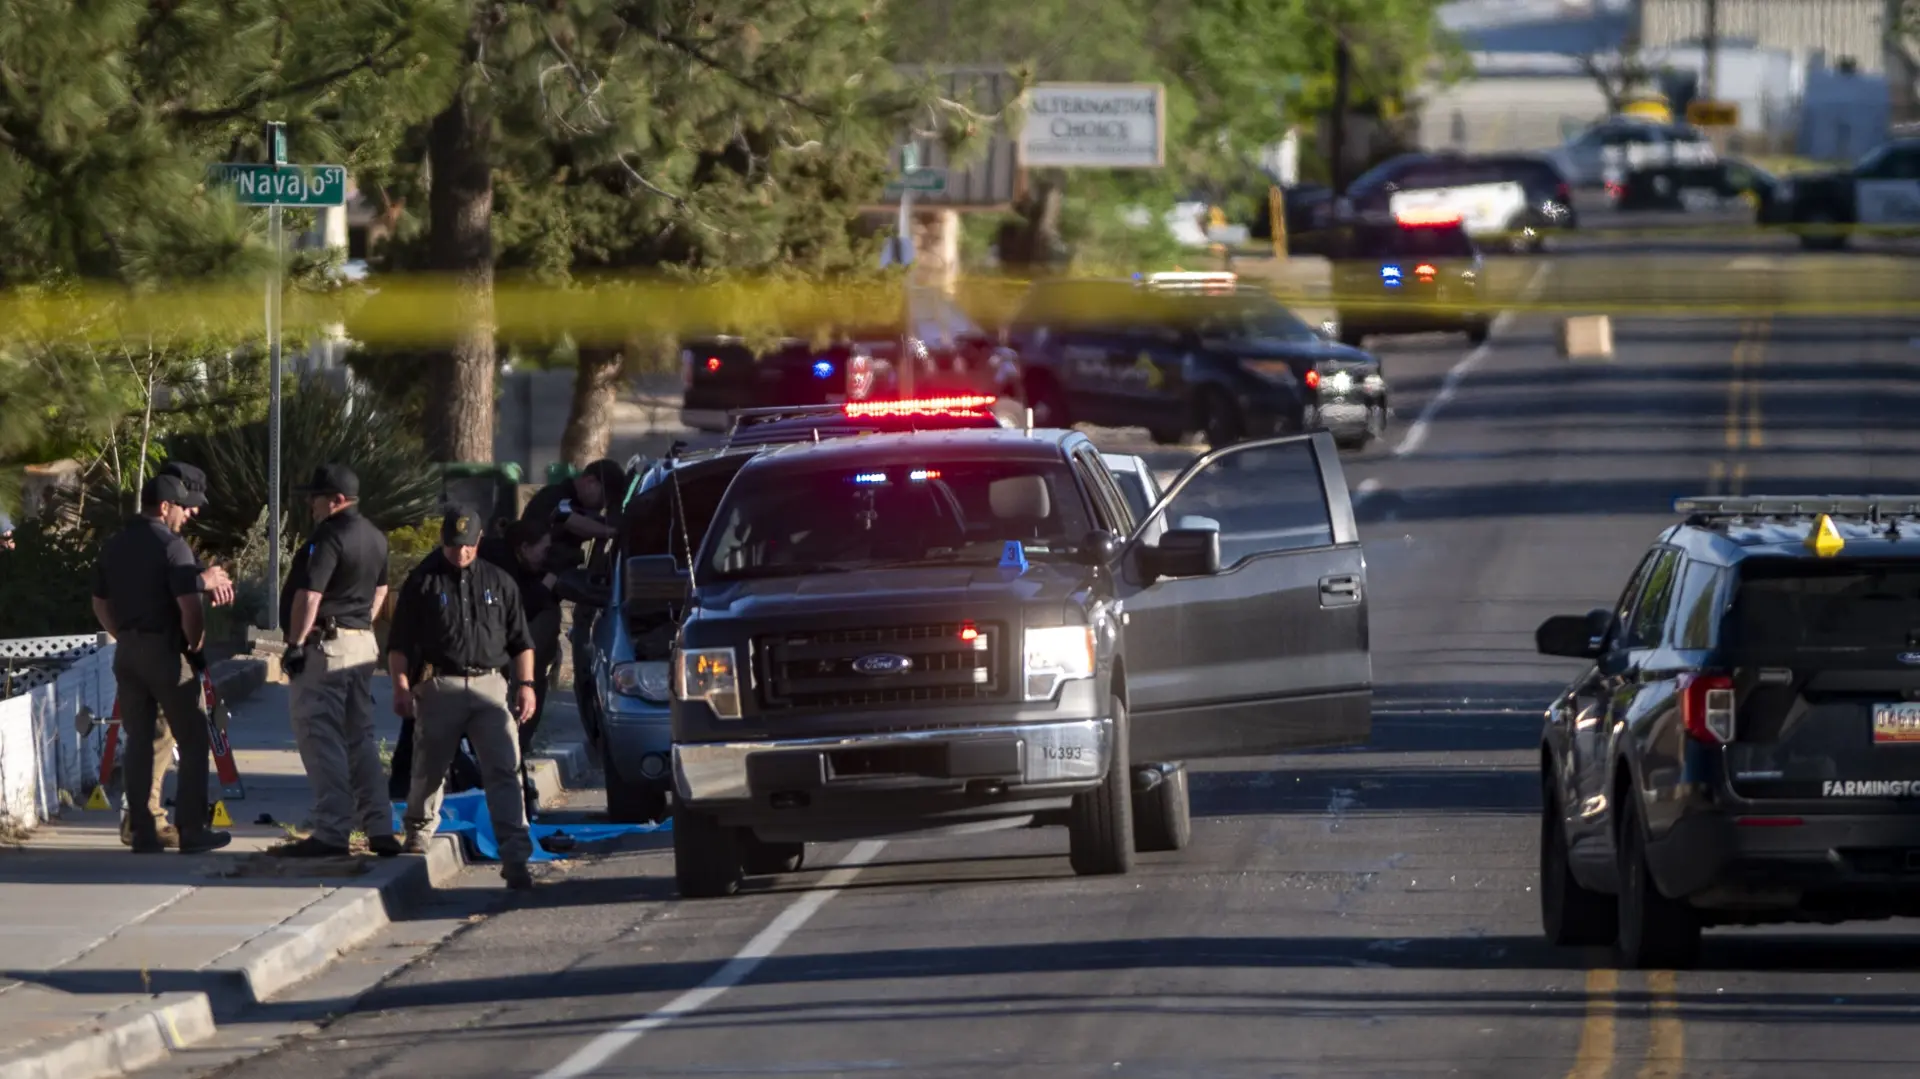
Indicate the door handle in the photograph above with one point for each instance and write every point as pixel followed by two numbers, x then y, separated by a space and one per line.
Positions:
pixel 1340 590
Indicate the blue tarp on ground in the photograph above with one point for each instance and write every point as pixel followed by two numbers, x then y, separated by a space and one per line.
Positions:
pixel 465 815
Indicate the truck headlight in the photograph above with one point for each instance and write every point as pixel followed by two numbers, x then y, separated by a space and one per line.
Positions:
pixel 1054 655
pixel 711 675
pixel 648 681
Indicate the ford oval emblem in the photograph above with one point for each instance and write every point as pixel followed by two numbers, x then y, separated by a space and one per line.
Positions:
pixel 1909 657
pixel 882 663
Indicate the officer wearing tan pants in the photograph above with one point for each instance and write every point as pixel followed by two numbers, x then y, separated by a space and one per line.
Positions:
pixel 337 580
pixel 458 623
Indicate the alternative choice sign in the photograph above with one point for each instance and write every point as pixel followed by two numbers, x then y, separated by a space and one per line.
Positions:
pixel 284 185
pixel 1094 126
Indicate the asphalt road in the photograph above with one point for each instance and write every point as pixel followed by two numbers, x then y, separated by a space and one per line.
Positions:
pixel 1361 913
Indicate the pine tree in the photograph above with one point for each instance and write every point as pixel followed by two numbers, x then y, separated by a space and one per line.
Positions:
pixel 110 113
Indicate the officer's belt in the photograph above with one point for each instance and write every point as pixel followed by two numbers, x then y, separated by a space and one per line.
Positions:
pixel 432 671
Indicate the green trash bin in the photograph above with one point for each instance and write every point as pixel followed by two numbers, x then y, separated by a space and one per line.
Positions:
pixel 493 489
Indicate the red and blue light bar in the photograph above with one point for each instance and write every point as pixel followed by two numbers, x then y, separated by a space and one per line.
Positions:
pixel 968 404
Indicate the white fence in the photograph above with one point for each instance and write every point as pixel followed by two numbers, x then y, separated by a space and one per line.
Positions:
pixel 41 752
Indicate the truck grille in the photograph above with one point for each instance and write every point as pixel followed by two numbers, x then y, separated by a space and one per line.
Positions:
pixel 824 669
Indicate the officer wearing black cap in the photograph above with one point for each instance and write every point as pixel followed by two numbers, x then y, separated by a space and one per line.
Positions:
pixel 147 595
pixel 335 584
pixel 459 622
pixel 217 586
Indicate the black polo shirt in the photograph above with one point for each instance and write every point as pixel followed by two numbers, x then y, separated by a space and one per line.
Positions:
pixel 143 571
pixel 535 597
pixel 345 560
pixel 459 619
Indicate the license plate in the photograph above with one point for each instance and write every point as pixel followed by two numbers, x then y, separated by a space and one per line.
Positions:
pixel 1896 723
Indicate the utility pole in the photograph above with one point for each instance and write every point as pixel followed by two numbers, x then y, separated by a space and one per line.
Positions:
pixel 1337 138
pixel 1710 45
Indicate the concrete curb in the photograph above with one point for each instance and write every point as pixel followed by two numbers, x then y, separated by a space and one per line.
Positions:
pixel 134 1037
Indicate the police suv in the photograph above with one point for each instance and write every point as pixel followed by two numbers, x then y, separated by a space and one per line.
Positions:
pixel 1881 190
pixel 1510 201
pixel 1189 353
pixel 1417 273
pixel 1742 747
pixel 963 629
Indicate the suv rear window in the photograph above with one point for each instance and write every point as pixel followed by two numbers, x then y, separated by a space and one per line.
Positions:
pixel 1794 605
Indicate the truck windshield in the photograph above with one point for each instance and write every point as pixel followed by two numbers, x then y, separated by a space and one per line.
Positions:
pixel 777 523
pixel 1799 605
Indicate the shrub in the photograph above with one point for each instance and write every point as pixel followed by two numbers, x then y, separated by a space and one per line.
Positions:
pixel 398 484
pixel 46 582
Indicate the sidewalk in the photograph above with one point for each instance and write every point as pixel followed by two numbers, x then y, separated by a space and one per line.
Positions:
pixel 109 961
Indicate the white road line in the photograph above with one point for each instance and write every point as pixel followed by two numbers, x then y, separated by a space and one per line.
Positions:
pixel 1417 431
pixel 604 1048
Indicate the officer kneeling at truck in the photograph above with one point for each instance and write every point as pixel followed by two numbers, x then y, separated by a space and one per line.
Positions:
pixel 912 633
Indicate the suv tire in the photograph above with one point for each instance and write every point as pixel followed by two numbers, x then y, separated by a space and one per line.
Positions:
pixel 1655 933
pixel 1163 816
pixel 1572 915
pixel 1100 824
pixel 706 856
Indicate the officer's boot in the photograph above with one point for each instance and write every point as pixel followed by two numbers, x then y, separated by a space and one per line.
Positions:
pixel 517 876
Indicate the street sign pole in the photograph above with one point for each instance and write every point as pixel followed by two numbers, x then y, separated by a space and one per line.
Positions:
pixel 277 150
pixel 909 164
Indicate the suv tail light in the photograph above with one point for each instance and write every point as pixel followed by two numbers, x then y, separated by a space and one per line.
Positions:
pixel 1313 380
pixel 1563 194
pixel 1706 707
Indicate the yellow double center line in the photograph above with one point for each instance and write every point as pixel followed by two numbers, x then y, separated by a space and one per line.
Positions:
pixel 1666 1053
pixel 1745 428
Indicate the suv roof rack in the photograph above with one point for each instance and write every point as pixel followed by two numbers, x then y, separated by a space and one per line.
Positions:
pixel 1703 509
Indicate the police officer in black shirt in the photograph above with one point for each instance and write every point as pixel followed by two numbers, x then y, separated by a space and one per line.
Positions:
pixel 578 512
pixel 217 586
pixel 459 623
pixel 523 553
pixel 336 583
pixel 147 595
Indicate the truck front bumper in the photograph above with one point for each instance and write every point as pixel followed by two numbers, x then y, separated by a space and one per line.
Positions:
pixel 1038 758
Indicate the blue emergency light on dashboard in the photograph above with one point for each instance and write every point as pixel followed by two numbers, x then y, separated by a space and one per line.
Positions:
pixel 1390 275
pixel 823 369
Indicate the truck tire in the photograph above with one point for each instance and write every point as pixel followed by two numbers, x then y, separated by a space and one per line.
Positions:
pixel 762 858
pixel 1572 916
pixel 1655 932
pixel 1163 816
pixel 706 856
pixel 1100 824
pixel 630 801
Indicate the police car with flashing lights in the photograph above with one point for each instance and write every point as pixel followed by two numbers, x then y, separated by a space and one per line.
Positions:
pixel 1182 354
pixel 1740 747
pixel 628 697
pixel 1417 272
pixel 950 631
pixel 947 353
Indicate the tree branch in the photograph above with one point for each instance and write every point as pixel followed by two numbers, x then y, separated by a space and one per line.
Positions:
pixel 374 62
pixel 693 50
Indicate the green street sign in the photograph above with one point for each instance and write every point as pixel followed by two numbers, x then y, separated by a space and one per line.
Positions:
pixel 284 185
pixel 922 180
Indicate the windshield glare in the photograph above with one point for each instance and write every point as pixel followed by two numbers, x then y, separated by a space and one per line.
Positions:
pixel 779 523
